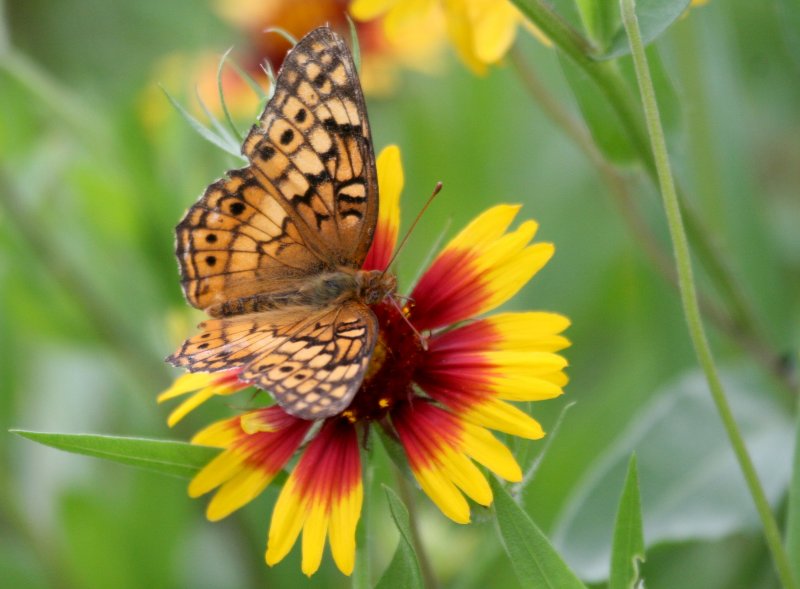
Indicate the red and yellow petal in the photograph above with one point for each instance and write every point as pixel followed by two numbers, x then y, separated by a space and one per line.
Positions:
pixel 481 268
pixel 440 449
pixel 390 185
pixel 204 386
pixel 322 497
pixel 510 356
pixel 249 461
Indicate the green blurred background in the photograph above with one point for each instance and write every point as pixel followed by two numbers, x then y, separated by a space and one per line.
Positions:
pixel 92 186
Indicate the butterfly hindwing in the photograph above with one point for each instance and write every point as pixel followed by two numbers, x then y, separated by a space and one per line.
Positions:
pixel 313 148
pixel 313 363
pixel 316 371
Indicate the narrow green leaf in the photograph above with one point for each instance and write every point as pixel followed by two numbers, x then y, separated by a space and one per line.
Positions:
pixel 283 33
pixel 255 86
pixel 203 131
pixel 178 459
pixel 655 17
pixel 793 518
pixel 220 129
pixel 403 571
pixel 355 46
pixel 535 561
pixel 221 93
pixel 530 472
pixel 627 549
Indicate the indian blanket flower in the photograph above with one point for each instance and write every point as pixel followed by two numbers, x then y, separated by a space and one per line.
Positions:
pixel 441 377
pixel 482 31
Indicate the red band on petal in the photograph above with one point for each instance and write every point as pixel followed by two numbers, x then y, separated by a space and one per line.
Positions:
pixel 330 468
pixel 450 291
pixel 271 450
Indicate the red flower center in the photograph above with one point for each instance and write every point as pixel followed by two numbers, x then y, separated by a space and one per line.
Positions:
pixel 398 353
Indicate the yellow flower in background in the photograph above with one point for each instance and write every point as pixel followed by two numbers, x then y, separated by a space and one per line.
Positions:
pixel 382 58
pixel 442 376
pixel 482 31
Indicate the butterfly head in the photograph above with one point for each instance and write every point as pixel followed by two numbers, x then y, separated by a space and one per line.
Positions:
pixel 373 285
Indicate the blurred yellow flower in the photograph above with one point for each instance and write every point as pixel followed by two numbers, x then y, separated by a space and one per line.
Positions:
pixel 482 31
pixel 381 58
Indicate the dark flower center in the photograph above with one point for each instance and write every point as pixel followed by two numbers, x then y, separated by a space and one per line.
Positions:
pixel 397 355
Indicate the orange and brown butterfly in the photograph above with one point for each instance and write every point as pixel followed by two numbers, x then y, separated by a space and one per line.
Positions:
pixel 273 251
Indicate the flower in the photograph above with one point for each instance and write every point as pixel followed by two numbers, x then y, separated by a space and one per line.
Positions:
pixel 204 386
pixel 441 377
pixel 381 57
pixel 482 31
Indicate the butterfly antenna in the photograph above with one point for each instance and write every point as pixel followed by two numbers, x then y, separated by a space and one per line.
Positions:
pixel 436 191
pixel 422 341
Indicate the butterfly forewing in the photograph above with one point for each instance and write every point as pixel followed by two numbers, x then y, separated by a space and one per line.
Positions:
pixel 306 204
pixel 237 241
pixel 313 147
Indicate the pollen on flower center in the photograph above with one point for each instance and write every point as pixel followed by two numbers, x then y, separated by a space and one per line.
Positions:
pixel 397 355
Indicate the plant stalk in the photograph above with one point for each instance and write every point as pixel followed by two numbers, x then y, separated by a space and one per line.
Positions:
pixel 608 78
pixel 689 294
pixel 406 494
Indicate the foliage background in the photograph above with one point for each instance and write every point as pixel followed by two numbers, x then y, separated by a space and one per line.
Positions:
pixel 90 302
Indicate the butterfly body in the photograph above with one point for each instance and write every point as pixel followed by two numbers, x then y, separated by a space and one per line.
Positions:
pixel 323 290
pixel 273 252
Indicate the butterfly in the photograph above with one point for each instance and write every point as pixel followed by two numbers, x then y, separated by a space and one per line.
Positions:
pixel 273 251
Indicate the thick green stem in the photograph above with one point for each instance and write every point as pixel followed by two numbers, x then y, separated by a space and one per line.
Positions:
pixel 689 295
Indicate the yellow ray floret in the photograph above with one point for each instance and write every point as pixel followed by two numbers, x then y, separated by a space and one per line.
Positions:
pixel 487 450
pixel 534 331
pixel 484 229
pixel 501 416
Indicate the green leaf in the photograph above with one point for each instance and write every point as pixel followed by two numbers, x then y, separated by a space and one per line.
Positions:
pixel 695 490
pixel 601 20
pixel 222 142
pixel 355 46
pixel 403 571
pixel 604 124
pixel 655 17
pixel 395 452
pixel 535 561
pixel 793 517
pixel 627 548
pixel 178 459
pixel 221 93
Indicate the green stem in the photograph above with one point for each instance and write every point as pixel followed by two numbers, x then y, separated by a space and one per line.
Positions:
pixel 689 295
pixel 406 494
pixel 750 339
pixel 608 78
pixel 362 573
